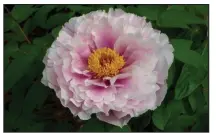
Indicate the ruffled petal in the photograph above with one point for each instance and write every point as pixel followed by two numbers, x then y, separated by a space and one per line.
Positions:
pixel 112 119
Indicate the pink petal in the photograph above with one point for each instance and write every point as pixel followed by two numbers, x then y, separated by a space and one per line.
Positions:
pixel 84 116
pixel 113 119
pixel 161 94
pixel 96 82
pixel 161 68
pixel 95 93
pixel 104 37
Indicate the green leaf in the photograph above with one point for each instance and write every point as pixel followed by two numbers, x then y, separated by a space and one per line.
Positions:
pixel 60 7
pixel 10 48
pixel 160 117
pixel 80 8
pixel 13 51
pixel 40 16
pixel 24 121
pixel 188 81
pixel 178 19
pixel 15 35
pixel 90 126
pixel 28 26
pixel 203 9
pixel 188 56
pixel 205 82
pixel 206 95
pixel 44 41
pixel 123 129
pixel 18 67
pixel 9 23
pixel 10 119
pixel 171 75
pixel 205 55
pixel 145 120
pixel 32 101
pixel 24 50
pixel 205 85
pixel 175 107
pixel 6 62
pixel 16 70
pixel 55 31
pixel 181 44
pixel 197 100
pixel 19 90
pixel 139 124
pixel 104 7
pixel 151 12
pixel 202 123
pixel 180 123
pixel 187 106
pixel 34 127
pixel 22 12
pixel 192 100
pixel 176 7
pixel 57 19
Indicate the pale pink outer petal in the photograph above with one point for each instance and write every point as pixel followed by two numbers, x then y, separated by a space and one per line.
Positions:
pixel 161 94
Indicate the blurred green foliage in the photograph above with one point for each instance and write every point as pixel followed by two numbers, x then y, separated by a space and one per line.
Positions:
pixel 30 106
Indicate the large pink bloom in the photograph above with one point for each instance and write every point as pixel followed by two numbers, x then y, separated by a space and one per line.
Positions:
pixel 139 86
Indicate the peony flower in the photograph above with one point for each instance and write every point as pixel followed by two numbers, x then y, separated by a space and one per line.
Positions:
pixel 112 64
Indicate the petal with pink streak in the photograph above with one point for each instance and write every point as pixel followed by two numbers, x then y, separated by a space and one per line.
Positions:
pixel 78 79
pixel 104 37
pixel 112 80
pixel 96 82
pixel 94 93
pixel 119 114
pixel 112 119
pixel 88 103
pixel 123 42
pixel 74 110
pixel 78 65
pixel 76 103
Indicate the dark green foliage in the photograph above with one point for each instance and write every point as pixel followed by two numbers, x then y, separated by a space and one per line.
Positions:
pixel 30 106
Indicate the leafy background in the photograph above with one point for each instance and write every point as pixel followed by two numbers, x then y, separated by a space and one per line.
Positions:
pixel 30 106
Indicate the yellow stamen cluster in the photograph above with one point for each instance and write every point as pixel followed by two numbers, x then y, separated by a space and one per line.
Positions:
pixel 105 62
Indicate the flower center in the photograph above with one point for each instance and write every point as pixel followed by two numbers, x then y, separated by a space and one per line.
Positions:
pixel 105 62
